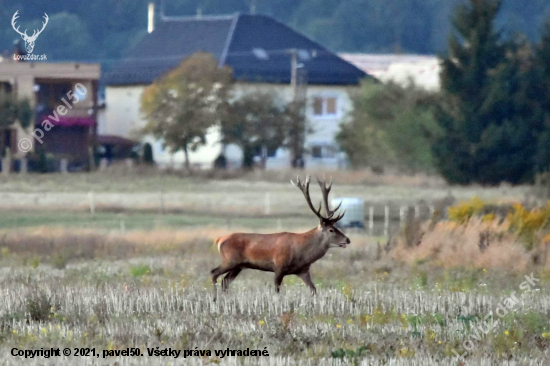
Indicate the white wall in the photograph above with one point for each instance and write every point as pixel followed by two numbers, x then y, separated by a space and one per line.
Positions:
pixel 123 118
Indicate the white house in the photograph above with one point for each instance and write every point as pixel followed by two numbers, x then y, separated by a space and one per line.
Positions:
pixel 262 52
pixel 423 70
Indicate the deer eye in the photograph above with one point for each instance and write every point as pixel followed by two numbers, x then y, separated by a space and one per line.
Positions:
pixel 331 231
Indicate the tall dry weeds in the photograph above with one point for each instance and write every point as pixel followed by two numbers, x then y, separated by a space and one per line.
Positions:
pixel 476 243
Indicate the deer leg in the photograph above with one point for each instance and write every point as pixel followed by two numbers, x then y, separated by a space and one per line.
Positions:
pixel 230 277
pixel 217 272
pixel 306 277
pixel 278 280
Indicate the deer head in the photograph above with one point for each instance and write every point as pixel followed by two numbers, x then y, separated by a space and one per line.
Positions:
pixel 333 236
pixel 29 41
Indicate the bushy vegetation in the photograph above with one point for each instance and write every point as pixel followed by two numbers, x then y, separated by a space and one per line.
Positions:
pixel 390 126
pixel 184 104
pixel 482 234
pixel 489 123
pixel 493 115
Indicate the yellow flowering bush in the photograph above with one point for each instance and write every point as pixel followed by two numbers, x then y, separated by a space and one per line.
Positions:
pixel 527 223
pixel 464 211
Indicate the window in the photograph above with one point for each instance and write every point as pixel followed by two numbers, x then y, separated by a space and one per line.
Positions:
pixel 318 106
pixel 49 94
pixel 317 152
pixel 331 105
pixel 323 151
pixel 325 106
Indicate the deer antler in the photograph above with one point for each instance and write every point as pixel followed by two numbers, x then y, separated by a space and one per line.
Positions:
pixel 304 187
pixel 35 34
pixel 13 19
pixel 326 191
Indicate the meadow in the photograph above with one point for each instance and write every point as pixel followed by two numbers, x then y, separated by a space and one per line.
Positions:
pixel 72 279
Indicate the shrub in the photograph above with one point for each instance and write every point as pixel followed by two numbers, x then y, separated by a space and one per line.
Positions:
pixel 463 212
pixel 140 270
pixel 527 223
pixel 39 307
pixel 59 260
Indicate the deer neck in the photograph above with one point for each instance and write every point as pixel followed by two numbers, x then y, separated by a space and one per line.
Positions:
pixel 314 246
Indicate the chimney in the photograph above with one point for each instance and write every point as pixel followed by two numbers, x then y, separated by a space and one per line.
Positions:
pixel 151 17
pixel 252 7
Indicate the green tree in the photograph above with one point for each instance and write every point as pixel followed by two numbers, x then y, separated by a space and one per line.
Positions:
pixel 183 105
pixel 14 110
pixel 257 122
pixel 389 126
pixel 541 91
pixel 467 117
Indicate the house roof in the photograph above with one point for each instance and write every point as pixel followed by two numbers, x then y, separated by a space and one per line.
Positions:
pixel 256 47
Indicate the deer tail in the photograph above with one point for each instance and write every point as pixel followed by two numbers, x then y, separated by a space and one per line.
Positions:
pixel 219 241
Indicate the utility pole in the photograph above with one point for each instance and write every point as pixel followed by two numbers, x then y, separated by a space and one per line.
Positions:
pixel 294 72
pixel 298 83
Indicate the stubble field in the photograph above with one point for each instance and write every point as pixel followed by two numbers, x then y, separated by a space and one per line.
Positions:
pixel 81 286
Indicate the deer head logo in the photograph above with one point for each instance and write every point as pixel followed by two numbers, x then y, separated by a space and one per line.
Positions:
pixel 29 41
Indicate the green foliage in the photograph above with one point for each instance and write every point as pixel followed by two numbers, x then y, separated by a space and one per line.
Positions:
pixel 140 270
pixel 13 110
pixel 35 262
pixel 39 306
pixel 59 260
pixel 350 353
pixel 258 120
pixel 389 126
pixel 491 115
pixel 181 106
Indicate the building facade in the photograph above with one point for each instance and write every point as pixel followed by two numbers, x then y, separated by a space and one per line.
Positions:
pixel 263 55
pixel 63 98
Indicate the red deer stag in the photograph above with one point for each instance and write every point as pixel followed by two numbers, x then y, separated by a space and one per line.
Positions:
pixel 281 253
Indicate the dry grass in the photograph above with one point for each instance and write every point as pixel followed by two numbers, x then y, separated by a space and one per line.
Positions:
pixel 453 245
pixel 154 290
pixel 359 176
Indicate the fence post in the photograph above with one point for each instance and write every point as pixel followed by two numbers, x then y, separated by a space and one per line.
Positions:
pixel 162 202
pixel 402 216
pixel 64 166
pixel 92 203
pixel 267 204
pixel 24 167
pixel 386 220
pixel 371 220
